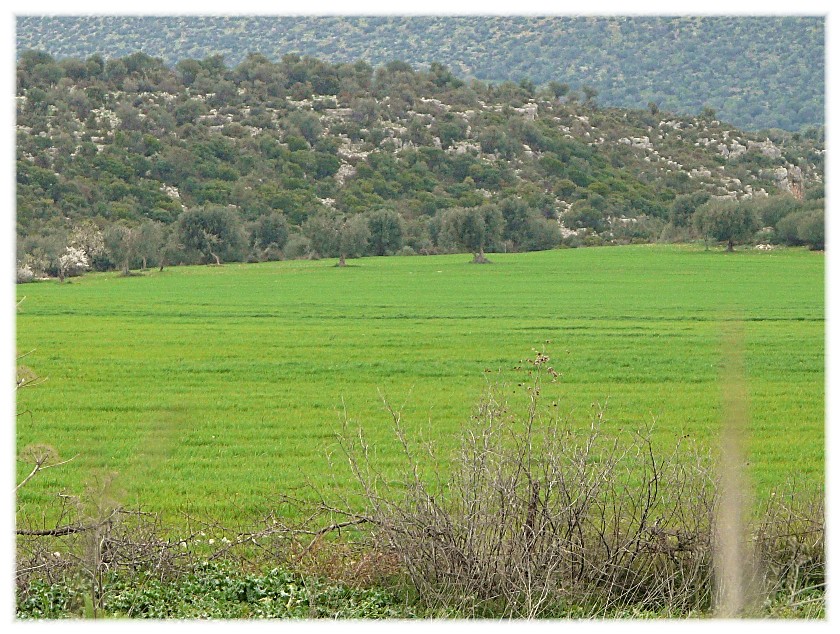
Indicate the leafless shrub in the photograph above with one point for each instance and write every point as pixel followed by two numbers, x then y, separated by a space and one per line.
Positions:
pixel 789 539
pixel 129 542
pixel 306 534
pixel 537 516
pixel 533 517
pixel 93 537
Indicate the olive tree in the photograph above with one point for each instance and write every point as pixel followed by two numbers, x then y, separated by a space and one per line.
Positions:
pixel 337 236
pixel 725 220
pixel 170 246
pixel 386 231
pixel 42 251
pixel 322 232
pixel 353 236
pixel 269 234
pixel 212 231
pixel 473 228
pixel 121 243
pixel 127 244
pixel 151 235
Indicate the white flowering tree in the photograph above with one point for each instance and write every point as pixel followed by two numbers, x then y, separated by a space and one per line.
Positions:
pixel 73 262
pixel 25 269
pixel 87 238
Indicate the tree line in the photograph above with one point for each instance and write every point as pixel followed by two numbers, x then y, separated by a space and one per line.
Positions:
pixel 215 234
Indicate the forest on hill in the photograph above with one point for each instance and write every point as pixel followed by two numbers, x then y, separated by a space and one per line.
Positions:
pixel 124 161
pixel 758 72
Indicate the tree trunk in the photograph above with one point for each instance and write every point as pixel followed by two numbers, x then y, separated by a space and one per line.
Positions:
pixel 730 246
pixel 162 263
pixel 60 275
pixel 216 257
pixel 342 261
pixel 144 262
pixel 479 258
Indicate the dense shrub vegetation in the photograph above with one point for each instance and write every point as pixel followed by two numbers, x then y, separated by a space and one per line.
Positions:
pixel 204 163
pixel 758 72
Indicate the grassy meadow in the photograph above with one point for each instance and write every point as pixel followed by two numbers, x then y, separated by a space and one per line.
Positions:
pixel 207 390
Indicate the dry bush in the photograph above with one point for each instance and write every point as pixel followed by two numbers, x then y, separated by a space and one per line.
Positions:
pixel 303 534
pixel 789 540
pixel 539 518
pixel 131 543
pixel 533 517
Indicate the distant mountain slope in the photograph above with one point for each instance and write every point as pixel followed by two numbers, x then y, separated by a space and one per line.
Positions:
pixel 757 72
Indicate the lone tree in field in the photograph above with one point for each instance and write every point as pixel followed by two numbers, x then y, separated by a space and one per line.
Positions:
pixel 727 221
pixel 213 231
pixel 474 228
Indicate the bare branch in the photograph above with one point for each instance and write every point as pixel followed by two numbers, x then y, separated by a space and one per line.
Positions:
pixel 61 531
pixel 40 466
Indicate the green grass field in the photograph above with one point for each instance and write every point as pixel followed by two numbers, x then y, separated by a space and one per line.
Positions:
pixel 208 389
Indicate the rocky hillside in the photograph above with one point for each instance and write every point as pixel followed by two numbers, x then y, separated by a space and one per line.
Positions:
pixel 131 140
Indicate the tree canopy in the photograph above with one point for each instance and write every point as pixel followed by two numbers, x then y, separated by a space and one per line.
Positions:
pixel 756 72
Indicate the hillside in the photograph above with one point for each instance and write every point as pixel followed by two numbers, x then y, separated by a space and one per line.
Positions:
pixel 289 149
pixel 757 72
